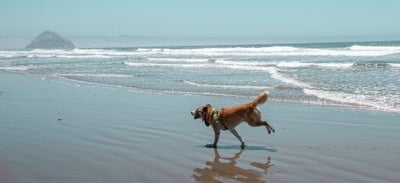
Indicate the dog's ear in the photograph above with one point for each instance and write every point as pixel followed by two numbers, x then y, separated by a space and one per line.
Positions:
pixel 205 113
pixel 205 108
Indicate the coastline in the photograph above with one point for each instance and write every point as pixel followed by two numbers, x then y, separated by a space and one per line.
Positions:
pixel 52 130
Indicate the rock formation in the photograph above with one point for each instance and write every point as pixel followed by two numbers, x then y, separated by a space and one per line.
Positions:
pixel 50 40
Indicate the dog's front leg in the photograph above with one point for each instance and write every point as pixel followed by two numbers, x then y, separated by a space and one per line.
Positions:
pixel 216 138
pixel 236 134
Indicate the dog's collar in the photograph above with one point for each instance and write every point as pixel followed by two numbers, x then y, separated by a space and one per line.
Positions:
pixel 217 120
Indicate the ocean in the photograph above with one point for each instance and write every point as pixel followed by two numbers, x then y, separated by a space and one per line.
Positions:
pixel 353 74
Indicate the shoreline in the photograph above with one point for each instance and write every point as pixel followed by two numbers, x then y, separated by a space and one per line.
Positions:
pixel 322 103
pixel 56 131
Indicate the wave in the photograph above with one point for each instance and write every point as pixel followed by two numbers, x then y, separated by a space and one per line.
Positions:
pixel 375 48
pixel 373 65
pixel 352 99
pixel 226 86
pixel 339 65
pixel 273 72
pixel 203 65
pixel 140 64
pixel 253 65
pixel 394 65
pixel 14 68
pixel 296 64
pixel 276 74
pixel 191 60
pixel 93 75
pixel 355 50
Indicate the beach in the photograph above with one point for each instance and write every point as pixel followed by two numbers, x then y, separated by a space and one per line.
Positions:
pixel 57 130
pixel 155 91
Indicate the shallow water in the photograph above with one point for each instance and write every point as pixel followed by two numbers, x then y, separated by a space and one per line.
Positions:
pixel 363 75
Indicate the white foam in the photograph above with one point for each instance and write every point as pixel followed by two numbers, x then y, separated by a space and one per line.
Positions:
pixel 231 51
pixel 197 65
pixel 141 64
pixel 83 56
pixel 94 75
pixel 296 64
pixel 253 64
pixel 225 86
pixel 375 50
pixel 273 51
pixel 14 68
pixel 6 55
pixel 353 99
pixel 394 65
pixel 242 63
pixel 277 51
pixel 355 50
pixel 274 72
pixel 194 60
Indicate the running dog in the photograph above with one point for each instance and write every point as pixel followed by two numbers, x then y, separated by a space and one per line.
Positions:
pixel 228 118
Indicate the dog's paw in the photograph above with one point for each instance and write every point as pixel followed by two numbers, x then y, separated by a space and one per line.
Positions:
pixel 210 146
pixel 270 130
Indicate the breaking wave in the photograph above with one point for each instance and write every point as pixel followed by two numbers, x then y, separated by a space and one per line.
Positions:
pixel 352 99
pixel 352 51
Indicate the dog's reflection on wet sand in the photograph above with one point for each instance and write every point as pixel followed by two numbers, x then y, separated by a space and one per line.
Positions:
pixel 217 170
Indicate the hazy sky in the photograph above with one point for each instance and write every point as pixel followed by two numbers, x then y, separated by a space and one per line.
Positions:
pixel 375 19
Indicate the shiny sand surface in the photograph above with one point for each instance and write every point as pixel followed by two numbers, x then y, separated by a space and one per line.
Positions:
pixel 59 131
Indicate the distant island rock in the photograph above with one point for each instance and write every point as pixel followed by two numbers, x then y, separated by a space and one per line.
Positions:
pixel 49 40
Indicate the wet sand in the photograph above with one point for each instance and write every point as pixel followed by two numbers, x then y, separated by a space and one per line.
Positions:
pixel 60 131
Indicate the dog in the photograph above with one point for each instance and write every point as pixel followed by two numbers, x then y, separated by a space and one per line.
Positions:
pixel 228 118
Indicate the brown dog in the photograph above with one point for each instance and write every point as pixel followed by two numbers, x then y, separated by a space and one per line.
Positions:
pixel 229 118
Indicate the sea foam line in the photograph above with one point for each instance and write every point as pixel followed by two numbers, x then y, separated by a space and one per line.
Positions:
pixel 226 86
pixel 295 64
pixel 278 51
pixel 356 100
pixel 191 60
pixel 355 50
pixel 14 68
pixel 276 74
pixel 394 65
pixel 93 75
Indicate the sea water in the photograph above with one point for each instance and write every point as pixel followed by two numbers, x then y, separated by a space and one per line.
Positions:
pixel 354 74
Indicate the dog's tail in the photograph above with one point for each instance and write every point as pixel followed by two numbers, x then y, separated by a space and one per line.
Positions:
pixel 262 98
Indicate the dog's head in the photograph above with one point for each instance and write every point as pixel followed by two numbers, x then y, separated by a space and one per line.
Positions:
pixel 203 112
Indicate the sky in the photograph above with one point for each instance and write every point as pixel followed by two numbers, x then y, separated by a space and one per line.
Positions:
pixel 275 19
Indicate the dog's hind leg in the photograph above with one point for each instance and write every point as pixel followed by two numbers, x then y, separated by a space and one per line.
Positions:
pixel 262 123
pixel 269 127
pixel 236 134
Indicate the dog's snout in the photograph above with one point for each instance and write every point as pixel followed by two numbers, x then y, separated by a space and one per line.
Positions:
pixel 195 114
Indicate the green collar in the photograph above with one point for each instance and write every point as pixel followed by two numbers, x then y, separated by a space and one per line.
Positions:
pixel 217 120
